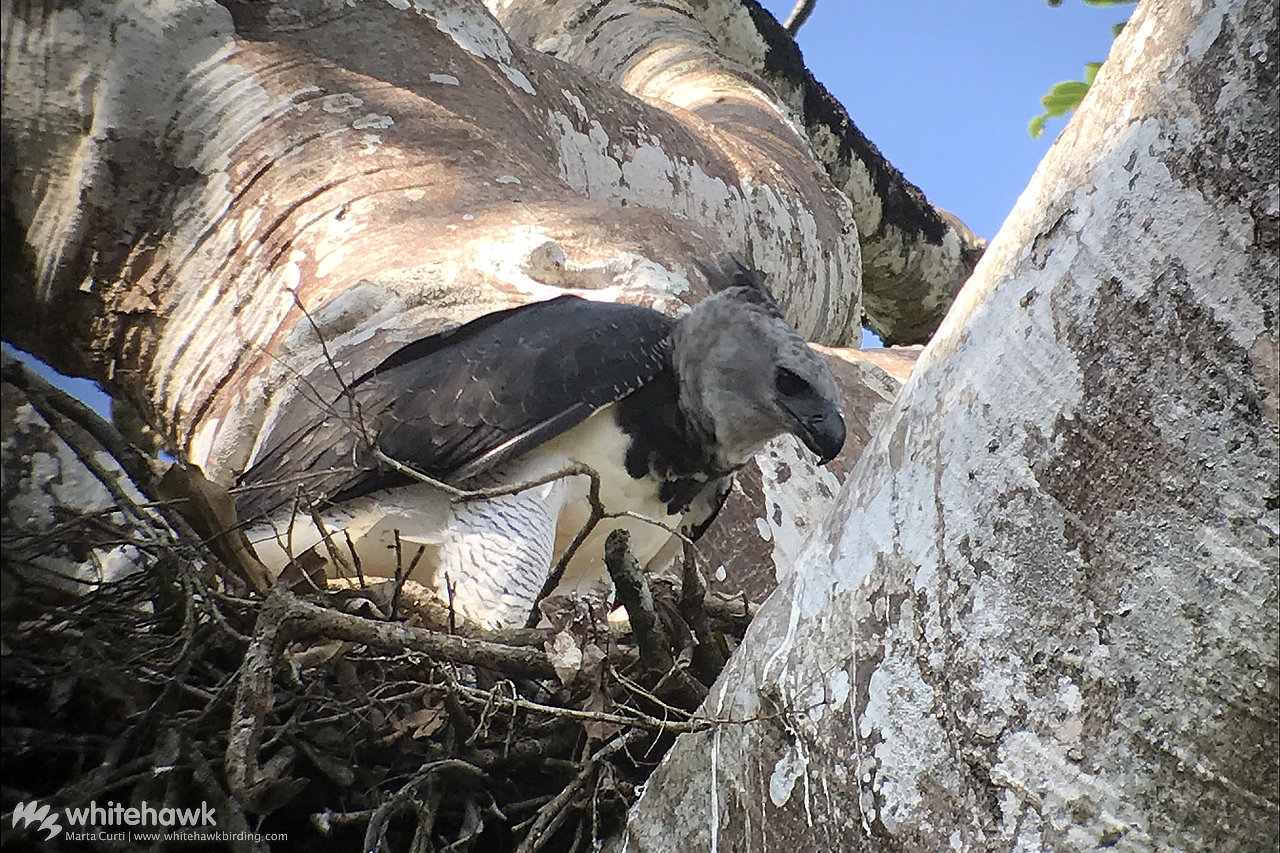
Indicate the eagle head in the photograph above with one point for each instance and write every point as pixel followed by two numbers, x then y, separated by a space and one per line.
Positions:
pixel 746 376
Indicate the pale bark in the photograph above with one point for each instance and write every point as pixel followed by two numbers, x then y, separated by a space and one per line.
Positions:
pixel 1044 615
pixel 1044 612
pixel 180 177
pixel 732 65
pixel 803 9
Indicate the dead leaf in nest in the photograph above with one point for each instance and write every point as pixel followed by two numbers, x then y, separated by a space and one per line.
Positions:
pixel 424 723
pixel 577 622
pixel 599 702
pixel 576 650
pixel 581 609
pixel 347 591
pixel 593 658
pixel 316 655
pixel 357 603
pixel 305 573
pixel 575 660
pixel 418 724
pixel 565 655
pixel 560 611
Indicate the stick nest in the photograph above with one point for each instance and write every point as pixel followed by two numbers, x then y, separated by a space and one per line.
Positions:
pixel 357 718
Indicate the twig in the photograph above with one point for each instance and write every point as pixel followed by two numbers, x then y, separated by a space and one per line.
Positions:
pixel 334 554
pixel 635 719
pixel 355 558
pixel 47 398
pixel 255 698
pixel 232 815
pixel 464 732
pixel 491 707
pixel 402 574
pixel 596 515
pixel 551 815
pixel 638 689
pixel 709 656
pixel 479 494
pixel 373 836
pixel 291 480
pixel 449 589
pixel 655 644
pixel 77 425
pixel 64 415
pixel 647 519
pixel 733 614
pixel 311 619
pixel 634 594
pixel 558 570
pixel 325 821
pixel 353 405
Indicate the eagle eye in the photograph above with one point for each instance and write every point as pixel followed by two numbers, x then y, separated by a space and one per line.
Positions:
pixel 789 384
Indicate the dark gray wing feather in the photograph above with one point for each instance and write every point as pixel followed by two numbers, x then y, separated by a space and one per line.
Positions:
pixel 462 402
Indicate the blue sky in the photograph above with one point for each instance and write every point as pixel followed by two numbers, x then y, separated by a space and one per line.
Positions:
pixel 945 88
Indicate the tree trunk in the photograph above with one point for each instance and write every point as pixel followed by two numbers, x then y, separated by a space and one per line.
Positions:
pixel 220 210
pixel 709 59
pixel 1044 612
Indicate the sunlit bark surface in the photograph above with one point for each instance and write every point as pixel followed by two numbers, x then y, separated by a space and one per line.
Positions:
pixel 1044 612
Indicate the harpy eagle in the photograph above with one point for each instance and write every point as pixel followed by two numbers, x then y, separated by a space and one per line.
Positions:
pixel 663 410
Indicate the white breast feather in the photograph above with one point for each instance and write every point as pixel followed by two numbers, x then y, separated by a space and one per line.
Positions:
pixel 496 553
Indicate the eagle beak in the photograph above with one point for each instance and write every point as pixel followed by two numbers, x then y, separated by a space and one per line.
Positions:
pixel 821 430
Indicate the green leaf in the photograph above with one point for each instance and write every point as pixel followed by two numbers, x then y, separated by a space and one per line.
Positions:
pixel 1064 97
pixel 1117 29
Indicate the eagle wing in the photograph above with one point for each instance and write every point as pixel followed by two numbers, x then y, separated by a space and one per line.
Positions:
pixel 459 403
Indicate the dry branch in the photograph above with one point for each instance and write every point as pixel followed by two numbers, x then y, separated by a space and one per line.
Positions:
pixel 799 14
pixel 634 594
pixel 710 654
pixel 553 814
pixel 266 706
pixel 655 642
pixel 55 404
pixel 309 619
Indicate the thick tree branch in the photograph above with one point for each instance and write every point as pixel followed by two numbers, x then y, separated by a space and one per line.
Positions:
pixel 799 14
pixel 1050 583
